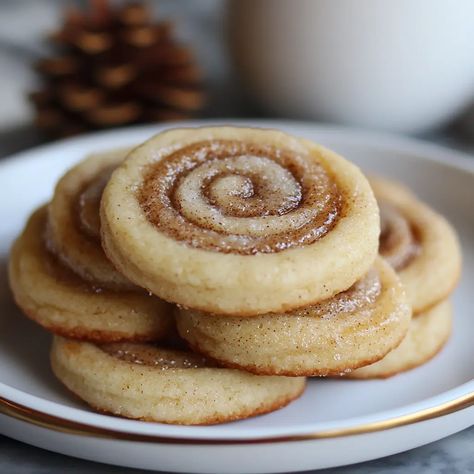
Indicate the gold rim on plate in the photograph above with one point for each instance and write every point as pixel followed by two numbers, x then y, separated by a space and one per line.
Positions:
pixel 51 422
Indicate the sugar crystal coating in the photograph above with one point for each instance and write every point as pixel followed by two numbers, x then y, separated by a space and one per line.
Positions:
pixel 238 197
pixel 153 356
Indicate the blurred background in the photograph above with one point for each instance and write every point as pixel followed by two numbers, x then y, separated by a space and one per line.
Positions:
pixel 70 67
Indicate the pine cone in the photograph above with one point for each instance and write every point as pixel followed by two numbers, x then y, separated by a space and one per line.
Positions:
pixel 114 67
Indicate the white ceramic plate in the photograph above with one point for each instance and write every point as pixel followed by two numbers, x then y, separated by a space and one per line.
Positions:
pixel 336 422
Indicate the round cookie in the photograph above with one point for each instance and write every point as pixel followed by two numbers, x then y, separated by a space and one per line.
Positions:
pixel 74 221
pixel 428 333
pixel 150 383
pixel 59 300
pixel 234 220
pixel 350 330
pixel 419 243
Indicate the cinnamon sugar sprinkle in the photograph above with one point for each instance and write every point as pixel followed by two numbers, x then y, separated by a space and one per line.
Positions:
pixel 237 197
pixel 152 356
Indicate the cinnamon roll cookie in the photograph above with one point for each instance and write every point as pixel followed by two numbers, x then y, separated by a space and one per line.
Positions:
pixel 61 301
pixel 428 333
pixel 74 221
pixel 239 221
pixel 419 243
pixel 155 384
pixel 350 330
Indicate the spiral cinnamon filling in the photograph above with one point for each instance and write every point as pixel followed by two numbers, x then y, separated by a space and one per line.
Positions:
pixel 398 241
pixel 237 197
pixel 362 294
pixel 153 356
pixel 87 204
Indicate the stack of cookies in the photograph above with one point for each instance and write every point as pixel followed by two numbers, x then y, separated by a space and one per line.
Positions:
pixel 200 277
pixel 423 249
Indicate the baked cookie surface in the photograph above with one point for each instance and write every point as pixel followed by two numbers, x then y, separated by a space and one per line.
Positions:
pixel 350 330
pixel 419 243
pixel 233 220
pixel 74 221
pixel 428 333
pixel 150 383
pixel 59 300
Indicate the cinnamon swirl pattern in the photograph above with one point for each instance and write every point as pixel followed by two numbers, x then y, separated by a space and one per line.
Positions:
pixel 350 330
pixel 419 243
pixel 233 220
pixel 74 222
pixel 55 297
pixel 150 383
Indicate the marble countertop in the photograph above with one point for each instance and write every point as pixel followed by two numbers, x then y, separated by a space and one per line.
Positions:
pixel 200 20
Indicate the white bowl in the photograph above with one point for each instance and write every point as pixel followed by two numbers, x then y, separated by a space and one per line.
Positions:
pixel 406 65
